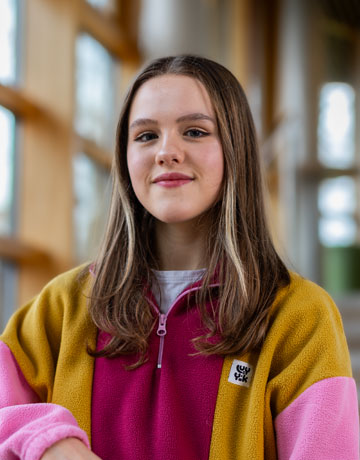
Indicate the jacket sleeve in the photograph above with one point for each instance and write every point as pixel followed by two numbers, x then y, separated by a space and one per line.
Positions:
pixel 323 420
pixel 28 426
pixel 312 393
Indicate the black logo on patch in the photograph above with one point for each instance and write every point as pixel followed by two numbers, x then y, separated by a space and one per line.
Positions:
pixel 241 374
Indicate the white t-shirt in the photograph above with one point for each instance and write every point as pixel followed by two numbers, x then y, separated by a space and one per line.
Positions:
pixel 170 283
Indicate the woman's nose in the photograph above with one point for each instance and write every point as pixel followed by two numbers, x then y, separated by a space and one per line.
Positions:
pixel 169 152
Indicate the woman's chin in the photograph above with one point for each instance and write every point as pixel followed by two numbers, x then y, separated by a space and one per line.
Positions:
pixel 175 218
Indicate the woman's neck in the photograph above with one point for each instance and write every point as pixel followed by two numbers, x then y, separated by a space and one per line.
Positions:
pixel 180 246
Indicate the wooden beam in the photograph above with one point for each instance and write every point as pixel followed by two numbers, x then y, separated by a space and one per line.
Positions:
pixel 22 106
pixel 99 155
pixel 17 251
pixel 108 32
pixel 270 24
pixel 240 40
pixel 128 18
pixel 14 99
pixel 316 171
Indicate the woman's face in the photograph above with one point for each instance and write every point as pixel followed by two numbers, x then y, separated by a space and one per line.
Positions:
pixel 174 154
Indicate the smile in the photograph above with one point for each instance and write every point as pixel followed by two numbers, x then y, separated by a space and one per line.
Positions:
pixel 170 180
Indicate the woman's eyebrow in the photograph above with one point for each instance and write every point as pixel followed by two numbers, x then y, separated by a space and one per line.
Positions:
pixel 188 117
pixel 195 117
pixel 142 122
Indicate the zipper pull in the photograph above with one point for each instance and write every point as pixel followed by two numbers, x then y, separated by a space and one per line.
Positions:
pixel 161 331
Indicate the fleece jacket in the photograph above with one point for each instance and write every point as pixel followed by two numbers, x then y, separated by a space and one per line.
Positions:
pixel 295 398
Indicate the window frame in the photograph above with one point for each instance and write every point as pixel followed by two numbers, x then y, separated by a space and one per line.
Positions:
pixel 45 134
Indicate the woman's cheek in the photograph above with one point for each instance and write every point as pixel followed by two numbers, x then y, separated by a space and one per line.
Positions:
pixel 135 164
pixel 213 160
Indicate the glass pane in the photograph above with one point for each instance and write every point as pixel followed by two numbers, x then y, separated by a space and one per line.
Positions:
pixel 8 23
pixel 337 196
pixel 336 129
pixel 337 231
pixel 8 289
pixel 92 197
pixel 7 136
pixel 95 92
pixel 102 4
pixel 109 7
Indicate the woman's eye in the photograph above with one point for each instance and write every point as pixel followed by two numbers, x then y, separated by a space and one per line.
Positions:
pixel 146 137
pixel 196 133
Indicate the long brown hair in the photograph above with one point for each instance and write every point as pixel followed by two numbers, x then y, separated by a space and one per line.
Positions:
pixel 239 246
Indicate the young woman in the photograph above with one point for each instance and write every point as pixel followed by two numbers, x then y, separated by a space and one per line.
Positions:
pixel 187 338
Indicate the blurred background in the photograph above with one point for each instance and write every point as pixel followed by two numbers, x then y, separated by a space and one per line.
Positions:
pixel 64 69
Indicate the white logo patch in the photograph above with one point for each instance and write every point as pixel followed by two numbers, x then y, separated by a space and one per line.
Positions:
pixel 240 373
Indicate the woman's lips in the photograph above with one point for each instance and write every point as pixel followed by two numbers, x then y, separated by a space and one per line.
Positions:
pixel 172 180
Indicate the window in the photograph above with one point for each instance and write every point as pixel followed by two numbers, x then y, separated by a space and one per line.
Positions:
pixel 8 41
pixel 95 120
pixel 338 197
pixel 8 74
pixel 95 92
pixel 92 196
pixel 336 128
pixel 65 102
pixel 102 4
pixel 8 289
pixel 337 206
pixel 7 167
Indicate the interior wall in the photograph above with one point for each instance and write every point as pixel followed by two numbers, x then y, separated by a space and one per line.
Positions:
pixel 190 26
pixel 217 29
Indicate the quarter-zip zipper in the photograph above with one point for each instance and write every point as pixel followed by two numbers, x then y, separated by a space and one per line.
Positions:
pixel 161 330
